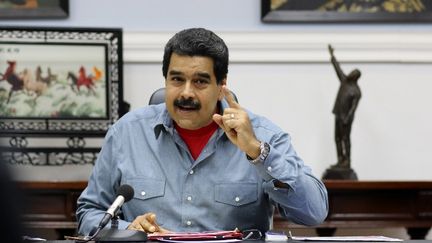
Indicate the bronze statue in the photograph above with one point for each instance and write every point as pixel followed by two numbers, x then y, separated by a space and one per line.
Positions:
pixel 344 108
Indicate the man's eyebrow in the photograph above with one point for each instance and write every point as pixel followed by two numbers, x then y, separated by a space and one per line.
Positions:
pixel 199 74
pixel 174 72
pixel 203 75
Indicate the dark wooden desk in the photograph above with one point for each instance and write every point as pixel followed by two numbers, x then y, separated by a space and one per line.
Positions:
pixel 353 204
pixel 376 204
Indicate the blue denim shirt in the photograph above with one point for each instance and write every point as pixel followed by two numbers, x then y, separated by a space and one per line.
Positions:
pixel 220 190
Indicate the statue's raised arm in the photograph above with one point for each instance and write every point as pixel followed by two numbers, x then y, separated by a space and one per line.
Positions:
pixel 331 50
pixel 339 71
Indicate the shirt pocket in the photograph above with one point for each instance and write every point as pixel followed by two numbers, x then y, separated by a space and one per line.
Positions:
pixel 236 194
pixel 147 188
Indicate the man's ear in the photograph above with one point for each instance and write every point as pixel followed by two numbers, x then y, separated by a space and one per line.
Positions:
pixel 221 94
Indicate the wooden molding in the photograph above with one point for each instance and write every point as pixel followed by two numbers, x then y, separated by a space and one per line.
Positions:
pixel 297 47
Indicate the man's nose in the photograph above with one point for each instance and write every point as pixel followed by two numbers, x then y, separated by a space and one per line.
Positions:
pixel 188 90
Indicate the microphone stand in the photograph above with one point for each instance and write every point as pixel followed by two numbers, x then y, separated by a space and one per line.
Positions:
pixel 114 234
pixel 114 222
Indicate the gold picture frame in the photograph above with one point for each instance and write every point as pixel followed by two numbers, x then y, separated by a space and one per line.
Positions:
pixel 346 11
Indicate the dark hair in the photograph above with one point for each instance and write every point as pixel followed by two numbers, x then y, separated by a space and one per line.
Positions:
pixel 198 42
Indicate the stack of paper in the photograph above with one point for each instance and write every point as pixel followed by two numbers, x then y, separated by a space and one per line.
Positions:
pixel 276 236
pixel 347 238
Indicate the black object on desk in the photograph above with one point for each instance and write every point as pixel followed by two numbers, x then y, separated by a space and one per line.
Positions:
pixel 116 235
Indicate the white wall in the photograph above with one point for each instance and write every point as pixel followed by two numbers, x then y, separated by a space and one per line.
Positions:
pixel 287 77
pixel 391 130
pixel 172 15
pixel 286 67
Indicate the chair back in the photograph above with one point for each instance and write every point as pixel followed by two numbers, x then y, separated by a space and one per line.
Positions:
pixel 157 97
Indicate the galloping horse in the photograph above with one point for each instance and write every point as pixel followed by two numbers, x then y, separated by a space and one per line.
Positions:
pixel 47 79
pixel 74 80
pixel 37 87
pixel 12 78
pixel 82 79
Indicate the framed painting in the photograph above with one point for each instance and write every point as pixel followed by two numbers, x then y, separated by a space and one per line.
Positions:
pixel 345 11
pixel 34 9
pixel 59 82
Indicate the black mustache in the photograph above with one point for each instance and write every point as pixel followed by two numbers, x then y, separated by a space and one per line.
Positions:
pixel 189 103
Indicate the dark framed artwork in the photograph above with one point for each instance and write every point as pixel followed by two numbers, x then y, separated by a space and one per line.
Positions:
pixel 344 11
pixel 59 82
pixel 34 9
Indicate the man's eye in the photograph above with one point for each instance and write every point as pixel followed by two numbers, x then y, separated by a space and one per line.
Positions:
pixel 201 82
pixel 177 79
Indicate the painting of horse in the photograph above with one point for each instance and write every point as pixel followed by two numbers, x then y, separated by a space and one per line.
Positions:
pixel 53 88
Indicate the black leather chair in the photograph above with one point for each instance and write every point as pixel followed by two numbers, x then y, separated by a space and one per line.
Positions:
pixel 159 97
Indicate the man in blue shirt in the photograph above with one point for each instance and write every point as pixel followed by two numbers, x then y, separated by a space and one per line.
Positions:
pixel 200 161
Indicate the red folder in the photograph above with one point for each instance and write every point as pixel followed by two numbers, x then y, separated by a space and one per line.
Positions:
pixel 191 236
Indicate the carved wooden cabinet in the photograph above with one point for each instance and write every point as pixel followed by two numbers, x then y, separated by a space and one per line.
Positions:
pixel 376 204
pixel 52 205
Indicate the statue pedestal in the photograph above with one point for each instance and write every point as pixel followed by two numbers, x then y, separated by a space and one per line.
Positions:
pixel 339 173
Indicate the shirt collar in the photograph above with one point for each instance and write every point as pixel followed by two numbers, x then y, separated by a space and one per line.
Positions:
pixel 162 121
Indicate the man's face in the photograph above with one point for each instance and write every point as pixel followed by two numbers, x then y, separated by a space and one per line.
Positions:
pixel 191 91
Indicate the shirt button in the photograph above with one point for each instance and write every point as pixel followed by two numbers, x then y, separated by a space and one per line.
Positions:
pixel 188 222
pixel 237 199
pixel 143 193
pixel 191 172
pixel 269 168
pixel 189 198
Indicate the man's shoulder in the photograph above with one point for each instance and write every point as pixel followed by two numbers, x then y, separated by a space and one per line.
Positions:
pixel 150 113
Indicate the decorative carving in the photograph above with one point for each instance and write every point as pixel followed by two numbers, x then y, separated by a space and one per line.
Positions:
pixel 74 152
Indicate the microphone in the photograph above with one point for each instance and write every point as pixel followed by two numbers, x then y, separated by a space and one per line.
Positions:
pixel 124 194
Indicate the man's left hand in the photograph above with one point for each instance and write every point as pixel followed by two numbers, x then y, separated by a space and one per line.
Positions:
pixel 237 126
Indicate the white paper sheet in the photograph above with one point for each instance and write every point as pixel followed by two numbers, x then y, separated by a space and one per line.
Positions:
pixel 348 238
